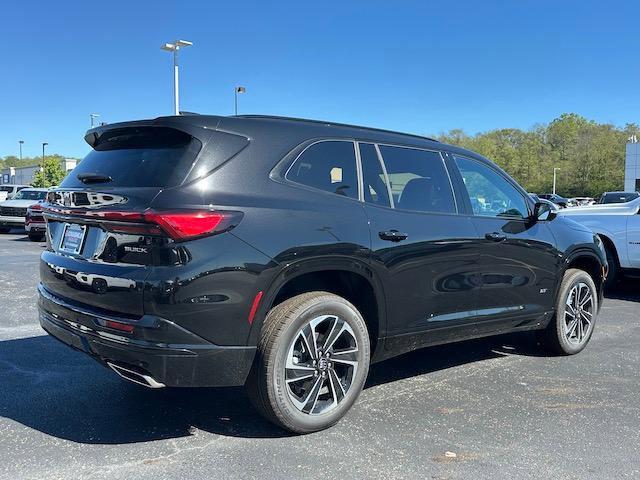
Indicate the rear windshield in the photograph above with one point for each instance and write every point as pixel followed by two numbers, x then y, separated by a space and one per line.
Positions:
pixel 139 157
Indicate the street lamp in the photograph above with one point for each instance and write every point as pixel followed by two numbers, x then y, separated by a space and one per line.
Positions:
pixel 236 91
pixel 20 142
pixel 174 47
pixel 555 169
pixel 93 117
pixel 44 144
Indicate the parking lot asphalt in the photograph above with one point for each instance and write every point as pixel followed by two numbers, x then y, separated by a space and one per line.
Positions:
pixel 500 405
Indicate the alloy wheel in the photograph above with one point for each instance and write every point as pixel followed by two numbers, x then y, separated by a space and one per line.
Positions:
pixel 321 364
pixel 578 315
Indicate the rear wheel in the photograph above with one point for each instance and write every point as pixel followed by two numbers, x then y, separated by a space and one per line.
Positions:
pixel 576 310
pixel 312 362
pixel 36 237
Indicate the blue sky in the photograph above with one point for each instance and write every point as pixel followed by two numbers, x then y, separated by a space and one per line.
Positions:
pixel 416 66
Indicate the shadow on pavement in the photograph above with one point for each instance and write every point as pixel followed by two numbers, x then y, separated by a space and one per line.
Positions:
pixel 60 392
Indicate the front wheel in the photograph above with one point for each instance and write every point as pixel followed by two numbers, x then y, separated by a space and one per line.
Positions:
pixel 312 362
pixel 576 310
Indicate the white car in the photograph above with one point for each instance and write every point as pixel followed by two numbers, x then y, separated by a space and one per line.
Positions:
pixel 14 211
pixel 618 225
pixel 8 191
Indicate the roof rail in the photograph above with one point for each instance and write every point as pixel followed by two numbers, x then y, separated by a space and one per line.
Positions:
pixel 323 122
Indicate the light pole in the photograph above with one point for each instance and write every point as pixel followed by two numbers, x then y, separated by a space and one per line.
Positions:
pixel 236 91
pixel 555 169
pixel 93 117
pixel 174 47
pixel 44 144
pixel 20 142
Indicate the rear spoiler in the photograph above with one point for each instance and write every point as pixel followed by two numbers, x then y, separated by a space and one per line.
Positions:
pixel 184 123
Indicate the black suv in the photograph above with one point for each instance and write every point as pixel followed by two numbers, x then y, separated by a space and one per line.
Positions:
pixel 286 255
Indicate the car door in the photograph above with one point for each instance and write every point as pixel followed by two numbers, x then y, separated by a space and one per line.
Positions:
pixel 518 256
pixel 421 247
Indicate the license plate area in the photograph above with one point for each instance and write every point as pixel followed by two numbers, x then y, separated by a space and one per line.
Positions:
pixel 73 238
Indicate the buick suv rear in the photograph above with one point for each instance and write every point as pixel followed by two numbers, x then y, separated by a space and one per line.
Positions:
pixel 287 255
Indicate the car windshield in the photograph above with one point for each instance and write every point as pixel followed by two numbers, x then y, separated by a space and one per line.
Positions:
pixel 5 188
pixel 30 195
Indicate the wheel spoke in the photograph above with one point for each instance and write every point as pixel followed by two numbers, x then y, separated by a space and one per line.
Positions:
pixel 336 386
pixel 580 330
pixel 298 372
pixel 310 400
pixel 571 328
pixel 308 335
pixel 569 310
pixel 337 327
pixel 349 357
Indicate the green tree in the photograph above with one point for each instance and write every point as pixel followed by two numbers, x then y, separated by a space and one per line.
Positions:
pixel 50 174
pixel 590 155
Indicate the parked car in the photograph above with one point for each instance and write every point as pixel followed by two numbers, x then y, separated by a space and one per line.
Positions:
pixel 581 201
pixel 618 197
pixel 287 255
pixel 34 223
pixel 8 191
pixel 618 225
pixel 14 211
pixel 562 202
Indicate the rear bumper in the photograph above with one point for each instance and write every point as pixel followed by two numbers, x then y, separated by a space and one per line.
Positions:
pixel 35 227
pixel 167 359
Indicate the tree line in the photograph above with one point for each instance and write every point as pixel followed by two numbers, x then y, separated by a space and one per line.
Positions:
pixel 590 155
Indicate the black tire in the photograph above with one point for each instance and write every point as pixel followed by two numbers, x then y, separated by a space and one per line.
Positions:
pixel 36 237
pixel 5 229
pixel 555 337
pixel 614 269
pixel 267 386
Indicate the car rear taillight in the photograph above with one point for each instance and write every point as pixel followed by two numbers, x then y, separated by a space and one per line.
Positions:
pixel 179 224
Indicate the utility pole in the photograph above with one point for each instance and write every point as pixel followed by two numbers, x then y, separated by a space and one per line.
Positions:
pixel 555 169
pixel 236 91
pixel 21 142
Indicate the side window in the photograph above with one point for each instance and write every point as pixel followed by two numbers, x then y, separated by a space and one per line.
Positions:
pixel 328 166
pixel 418 180
pixel 491 195
pixel 375 185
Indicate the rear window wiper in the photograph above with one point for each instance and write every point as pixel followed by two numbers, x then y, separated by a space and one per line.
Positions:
pixel 93 178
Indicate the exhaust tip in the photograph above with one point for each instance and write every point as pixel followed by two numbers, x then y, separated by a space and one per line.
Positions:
pixel 135 377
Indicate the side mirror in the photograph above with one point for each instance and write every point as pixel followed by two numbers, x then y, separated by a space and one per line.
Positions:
pixel 542 211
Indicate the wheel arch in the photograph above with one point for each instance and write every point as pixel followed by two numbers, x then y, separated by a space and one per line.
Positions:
pixel 352 279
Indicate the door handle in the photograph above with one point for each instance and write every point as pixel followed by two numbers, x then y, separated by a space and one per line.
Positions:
pixel 495 236
pixel 393 235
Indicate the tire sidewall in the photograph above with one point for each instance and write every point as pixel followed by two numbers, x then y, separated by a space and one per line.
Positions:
pixel 277 388
pixel 571 280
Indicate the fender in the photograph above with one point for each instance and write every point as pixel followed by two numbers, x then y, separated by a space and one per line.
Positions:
pixel 577 253
pixel 295 269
